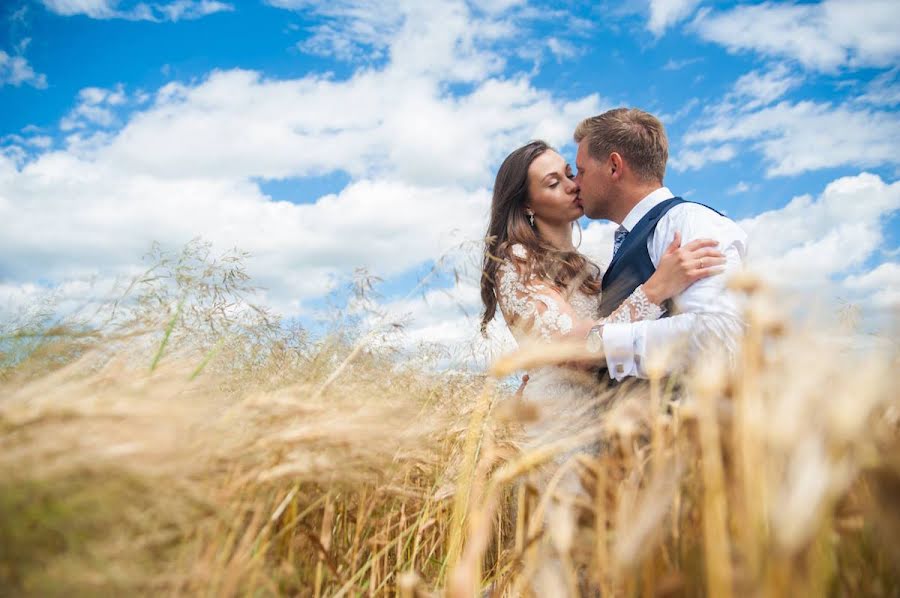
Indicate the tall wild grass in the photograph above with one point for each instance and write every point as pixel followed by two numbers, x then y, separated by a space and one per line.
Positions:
pixel 179 440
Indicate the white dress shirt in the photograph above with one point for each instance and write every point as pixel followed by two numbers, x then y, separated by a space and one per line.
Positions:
pixel 706 314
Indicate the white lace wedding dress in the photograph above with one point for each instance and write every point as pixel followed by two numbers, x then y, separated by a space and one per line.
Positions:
pixel 566 397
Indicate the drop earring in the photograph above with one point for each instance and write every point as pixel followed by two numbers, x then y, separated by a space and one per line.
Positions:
pixel 530 215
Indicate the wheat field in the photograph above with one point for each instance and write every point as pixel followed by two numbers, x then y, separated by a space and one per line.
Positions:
pixel 179 440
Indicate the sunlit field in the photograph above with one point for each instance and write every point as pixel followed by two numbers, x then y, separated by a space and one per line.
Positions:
pixel 178 440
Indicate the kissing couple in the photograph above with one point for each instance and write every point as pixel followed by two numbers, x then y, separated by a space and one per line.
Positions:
pixel 666 283
pixel 663 292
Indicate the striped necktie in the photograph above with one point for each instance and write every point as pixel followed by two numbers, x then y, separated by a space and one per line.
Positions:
pixel 618 238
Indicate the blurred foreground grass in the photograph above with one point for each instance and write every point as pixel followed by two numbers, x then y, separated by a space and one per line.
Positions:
pixel 181 441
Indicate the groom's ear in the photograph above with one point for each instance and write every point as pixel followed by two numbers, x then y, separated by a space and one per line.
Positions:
pixel 615 163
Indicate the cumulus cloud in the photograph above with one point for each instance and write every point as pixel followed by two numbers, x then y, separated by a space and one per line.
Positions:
pixel 761 88
pixel 95 219
pixel 796 137
pixel 824 36
pixel 665 13
pixel 190 9
pixel 450 39
pixel 883 90
pixel 450 316
pixel 176 10
pixel 188 163
pixel 739 187
pixel 96 108
pixel 561 49
pixel 15 71
pixel 881 285
pixel 237 123
pixel 347 29
pixel 689 159
pixel 813 239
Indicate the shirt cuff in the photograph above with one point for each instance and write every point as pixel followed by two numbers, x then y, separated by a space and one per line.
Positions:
pixel 618 344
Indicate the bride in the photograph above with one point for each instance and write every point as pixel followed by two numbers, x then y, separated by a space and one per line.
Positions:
pixel 547 290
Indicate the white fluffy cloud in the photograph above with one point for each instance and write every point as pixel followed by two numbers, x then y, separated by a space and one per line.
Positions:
pixel 811 240
pixel 456 40
pixel 761 88
pixel 881 285
pixel 450 39
pixel 450 316
pixel 351 29
pixel 823 36
pixel 379 122
pixel 739 187
pixel 665 13
pixel 176 10
pixel 690 159
pixel 803 136
pixel 189 9
pixel 15 71
pixel 794 136
pixel 94 219
pixel 96 107
pixel 189 162
pixel 883 90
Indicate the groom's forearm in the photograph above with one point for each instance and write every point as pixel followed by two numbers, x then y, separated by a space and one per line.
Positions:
pixel 670 344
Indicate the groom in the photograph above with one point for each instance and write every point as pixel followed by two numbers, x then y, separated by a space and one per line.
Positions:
pixel 621 163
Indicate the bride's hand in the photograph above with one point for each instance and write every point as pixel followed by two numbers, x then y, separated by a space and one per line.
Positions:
pixel 680 267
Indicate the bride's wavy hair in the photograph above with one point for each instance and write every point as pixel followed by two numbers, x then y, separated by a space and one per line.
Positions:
pixel 509 225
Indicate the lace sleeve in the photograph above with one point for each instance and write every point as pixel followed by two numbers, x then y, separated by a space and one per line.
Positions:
pixel 637 307
pixel 532 306
pixel 536 308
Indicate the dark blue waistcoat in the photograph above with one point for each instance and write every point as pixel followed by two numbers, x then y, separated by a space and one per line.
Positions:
pixel 631 266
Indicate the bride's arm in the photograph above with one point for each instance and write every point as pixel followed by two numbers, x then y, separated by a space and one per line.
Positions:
pixel 679 268
pixel 535 307
pixel 540 309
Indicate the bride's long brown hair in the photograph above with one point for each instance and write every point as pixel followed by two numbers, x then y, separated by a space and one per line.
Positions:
pixel 509 225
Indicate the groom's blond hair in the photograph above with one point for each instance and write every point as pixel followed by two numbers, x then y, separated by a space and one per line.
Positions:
pixel 637 136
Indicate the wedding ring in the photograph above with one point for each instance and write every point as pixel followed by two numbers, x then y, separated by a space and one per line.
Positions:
pixel 701 263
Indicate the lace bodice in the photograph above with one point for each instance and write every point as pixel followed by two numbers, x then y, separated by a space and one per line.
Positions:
pixel 534 307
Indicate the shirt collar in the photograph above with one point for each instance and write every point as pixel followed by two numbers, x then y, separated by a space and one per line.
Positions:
pixel 645 205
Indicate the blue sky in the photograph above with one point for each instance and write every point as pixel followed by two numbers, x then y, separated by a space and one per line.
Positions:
pixel 325 136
